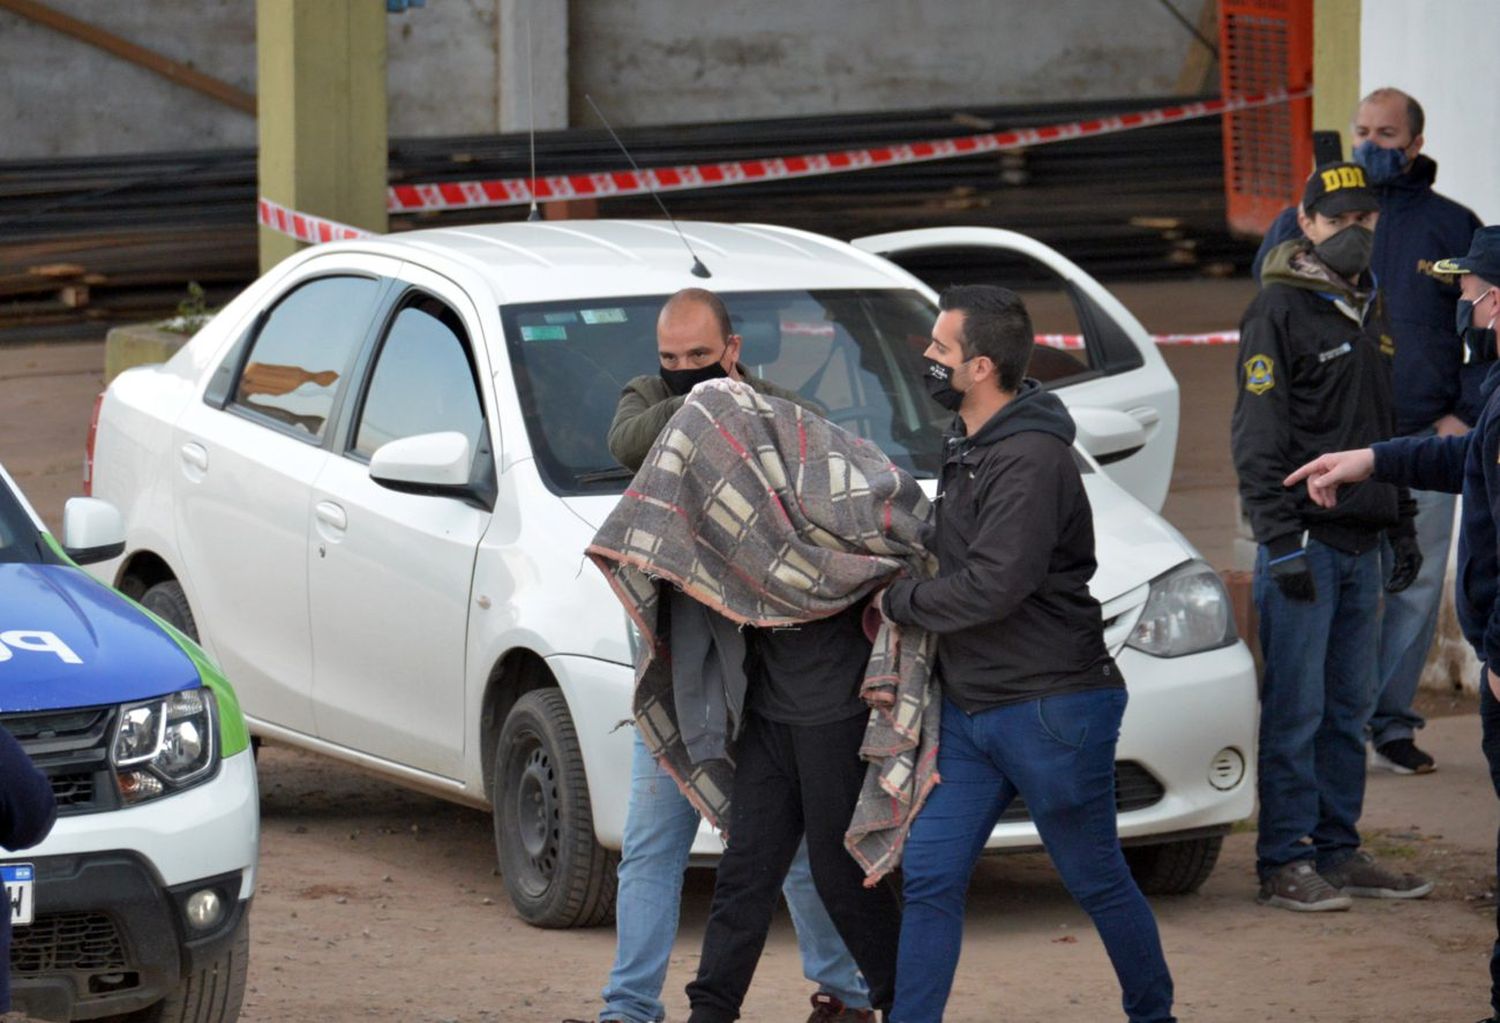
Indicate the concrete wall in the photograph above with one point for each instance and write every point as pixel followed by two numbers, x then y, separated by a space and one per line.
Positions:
pixel 1444 54
pixel 644 61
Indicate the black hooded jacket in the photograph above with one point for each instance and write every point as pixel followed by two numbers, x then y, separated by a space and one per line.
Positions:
pixel 1015 545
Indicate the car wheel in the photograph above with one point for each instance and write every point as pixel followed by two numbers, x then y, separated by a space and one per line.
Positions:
pixel 212 994
pixel 167 601
pixel 1174 868
pixel 556 872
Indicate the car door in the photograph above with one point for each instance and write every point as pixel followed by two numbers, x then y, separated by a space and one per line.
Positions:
pixel 390 571
pixel 1102 364
pixel 245 459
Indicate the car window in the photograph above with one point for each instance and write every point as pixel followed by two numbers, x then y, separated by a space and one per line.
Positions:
pixel 302 351
pixel 855 354
pixel 423 381
pixel 20 541
pixel 1066 346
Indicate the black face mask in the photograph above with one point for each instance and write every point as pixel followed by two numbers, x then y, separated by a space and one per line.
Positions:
pixel 681 381
pixel 1479 342
pixel 939 382
pixel 1348 252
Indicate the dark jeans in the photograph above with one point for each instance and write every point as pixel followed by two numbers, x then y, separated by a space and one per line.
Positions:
pixel 791 779
pixel 1318 691
pixel 1489 719
pixel 1057 752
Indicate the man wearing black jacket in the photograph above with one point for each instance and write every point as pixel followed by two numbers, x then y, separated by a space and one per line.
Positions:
pixel 1436 388
pixel 27 810
pixel 1032 700
pixel 1314 374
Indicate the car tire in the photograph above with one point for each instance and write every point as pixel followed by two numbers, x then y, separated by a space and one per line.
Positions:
pixel 167 601
pixel 213 994
pixel 556 872
pixel 1174 868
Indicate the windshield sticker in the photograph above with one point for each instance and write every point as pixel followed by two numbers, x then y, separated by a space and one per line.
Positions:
pixel 37 642
pixel 604 315
pixel 544 333
pixel 566 316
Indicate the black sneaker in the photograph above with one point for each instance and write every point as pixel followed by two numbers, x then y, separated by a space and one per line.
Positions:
pixel 1360 875
pixel 827 1007
pixel 1298 886
pixel 1401 756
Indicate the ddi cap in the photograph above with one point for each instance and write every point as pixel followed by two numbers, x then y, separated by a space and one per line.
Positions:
pixel 1336 188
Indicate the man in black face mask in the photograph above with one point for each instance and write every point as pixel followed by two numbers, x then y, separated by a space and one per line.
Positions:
pixel 695 342
pixel 1315 375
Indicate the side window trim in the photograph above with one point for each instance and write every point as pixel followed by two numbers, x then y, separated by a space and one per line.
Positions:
pixel 242 349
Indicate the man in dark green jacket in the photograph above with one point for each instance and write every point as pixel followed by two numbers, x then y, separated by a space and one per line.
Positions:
pixel 695 342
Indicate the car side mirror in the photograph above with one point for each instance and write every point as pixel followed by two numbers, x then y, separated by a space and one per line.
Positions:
pixel 429 463
pixel 1107 434
pixel 93 530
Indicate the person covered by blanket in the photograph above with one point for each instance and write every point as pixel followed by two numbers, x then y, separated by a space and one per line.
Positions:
pixel 695 342
pixel 1032 700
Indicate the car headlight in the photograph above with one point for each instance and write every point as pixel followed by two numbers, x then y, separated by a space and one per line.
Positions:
pixel 1188 612
pixel 166 744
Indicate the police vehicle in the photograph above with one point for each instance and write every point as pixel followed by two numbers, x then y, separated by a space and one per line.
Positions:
pixel 136 906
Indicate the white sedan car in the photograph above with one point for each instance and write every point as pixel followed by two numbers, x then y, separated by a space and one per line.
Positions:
pixel 367 485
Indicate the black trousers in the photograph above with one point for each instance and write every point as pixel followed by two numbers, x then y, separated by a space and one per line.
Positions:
pixel 789 779
pixel 1489 719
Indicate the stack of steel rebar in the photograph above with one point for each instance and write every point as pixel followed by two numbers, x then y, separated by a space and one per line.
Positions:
pixel 88 242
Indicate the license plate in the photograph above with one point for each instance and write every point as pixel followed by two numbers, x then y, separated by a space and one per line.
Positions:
pixel 20 891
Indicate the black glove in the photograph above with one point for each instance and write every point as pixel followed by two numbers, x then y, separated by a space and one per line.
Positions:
pixel 1295 579
pixel 1406 562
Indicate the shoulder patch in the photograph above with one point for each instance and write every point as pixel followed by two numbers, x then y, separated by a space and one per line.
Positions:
pixel 1260 374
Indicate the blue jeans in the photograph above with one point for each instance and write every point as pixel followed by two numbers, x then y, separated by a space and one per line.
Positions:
pixel 1489 719
pixel 1315 700
pixel 659 831
pixel 1057 752
pixel 1409 621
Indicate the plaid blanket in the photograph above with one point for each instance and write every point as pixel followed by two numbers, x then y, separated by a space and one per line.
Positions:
pixel 772 516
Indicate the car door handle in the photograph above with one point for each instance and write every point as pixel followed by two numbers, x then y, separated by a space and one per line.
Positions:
pixel 194 455
pixel 331 515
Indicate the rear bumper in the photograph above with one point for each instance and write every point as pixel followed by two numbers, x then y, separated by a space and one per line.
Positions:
pixel 109 938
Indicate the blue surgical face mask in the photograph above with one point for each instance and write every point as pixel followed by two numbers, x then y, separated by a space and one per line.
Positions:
pixel 1381 165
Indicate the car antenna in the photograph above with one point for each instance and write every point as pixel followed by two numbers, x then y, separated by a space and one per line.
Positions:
pixel 535 213
pixel 699 270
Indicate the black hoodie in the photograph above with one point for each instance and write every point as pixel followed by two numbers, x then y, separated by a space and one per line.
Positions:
pixel 1015 545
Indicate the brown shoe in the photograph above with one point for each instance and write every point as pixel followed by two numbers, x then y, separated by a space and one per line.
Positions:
pixel 1361 876
pixel 1298 886
pixel 827 1007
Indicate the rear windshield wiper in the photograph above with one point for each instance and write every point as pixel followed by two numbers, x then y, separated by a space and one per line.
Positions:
pixel 618 472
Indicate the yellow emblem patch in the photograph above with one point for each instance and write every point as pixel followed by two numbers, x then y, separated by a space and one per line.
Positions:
pixel 1260 374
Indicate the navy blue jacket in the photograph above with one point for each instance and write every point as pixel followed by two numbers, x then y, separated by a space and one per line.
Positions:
pixel 27 811
pixel 1463 465
pixel 1417 227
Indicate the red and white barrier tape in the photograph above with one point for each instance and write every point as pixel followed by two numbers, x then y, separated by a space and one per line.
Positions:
pixel 517 191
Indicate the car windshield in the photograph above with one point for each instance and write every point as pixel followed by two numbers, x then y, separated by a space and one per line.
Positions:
pixel 855 354
pixel 20 541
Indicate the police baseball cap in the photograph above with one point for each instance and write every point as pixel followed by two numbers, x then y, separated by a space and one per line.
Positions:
pixel 1336 188
pixel 1483 259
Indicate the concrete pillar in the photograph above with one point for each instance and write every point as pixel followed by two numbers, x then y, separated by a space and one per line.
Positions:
pixel 322 121
pixel 1336 25
pixel 535 75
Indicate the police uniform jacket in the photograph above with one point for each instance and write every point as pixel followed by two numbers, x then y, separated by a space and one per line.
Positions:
pixel 1314 375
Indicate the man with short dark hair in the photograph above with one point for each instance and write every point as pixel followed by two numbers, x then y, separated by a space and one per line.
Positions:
pixel 695 342
pixel 1436 388
pixel 1464 465
pixel 1032 700
pixel 1314 373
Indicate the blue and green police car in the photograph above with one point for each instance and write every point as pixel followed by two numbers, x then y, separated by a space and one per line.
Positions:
pixel 136 905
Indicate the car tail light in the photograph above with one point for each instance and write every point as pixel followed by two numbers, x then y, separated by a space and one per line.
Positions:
pixel 88 447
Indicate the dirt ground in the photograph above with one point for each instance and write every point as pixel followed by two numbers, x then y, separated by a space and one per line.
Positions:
pixel 378 903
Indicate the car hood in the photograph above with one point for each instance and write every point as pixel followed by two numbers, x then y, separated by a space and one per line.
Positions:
pixel 1133 544
pixel 67 640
